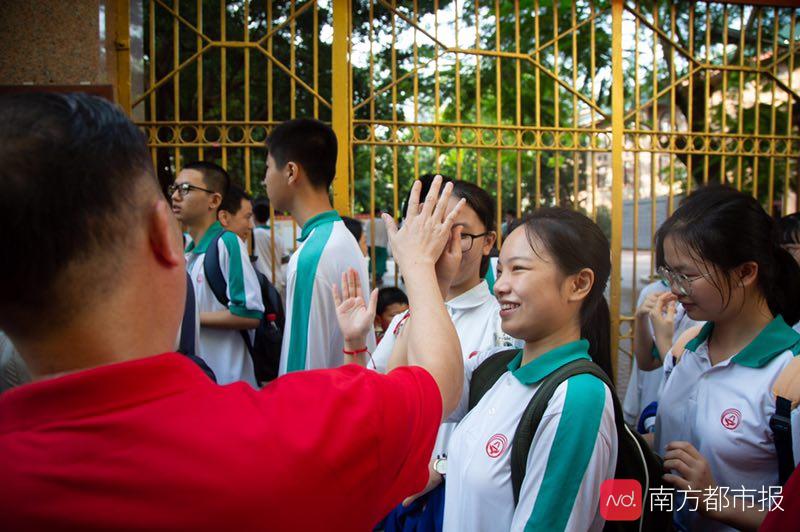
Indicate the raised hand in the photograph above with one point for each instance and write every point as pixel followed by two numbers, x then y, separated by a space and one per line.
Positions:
pixel 354 316
pixel 426 230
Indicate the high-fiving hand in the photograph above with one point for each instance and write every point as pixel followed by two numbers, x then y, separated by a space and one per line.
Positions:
pixel 426 230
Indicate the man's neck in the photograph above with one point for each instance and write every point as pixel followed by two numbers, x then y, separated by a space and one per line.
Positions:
pixel 196 231
pixel 457 290
pixel 310 205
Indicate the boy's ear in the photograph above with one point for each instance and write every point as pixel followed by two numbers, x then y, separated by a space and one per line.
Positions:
pixel 292 173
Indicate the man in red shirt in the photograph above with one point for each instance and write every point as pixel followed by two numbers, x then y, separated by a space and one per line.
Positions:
pixel 119 432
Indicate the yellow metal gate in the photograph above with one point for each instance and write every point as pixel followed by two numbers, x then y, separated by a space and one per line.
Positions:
pixel 610 107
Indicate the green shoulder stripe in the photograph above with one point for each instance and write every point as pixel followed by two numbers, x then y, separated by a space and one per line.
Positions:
pixel 307 264
pixel 570 453
pixel 236 290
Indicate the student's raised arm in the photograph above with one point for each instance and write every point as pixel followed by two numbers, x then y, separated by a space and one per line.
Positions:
pixel 432 342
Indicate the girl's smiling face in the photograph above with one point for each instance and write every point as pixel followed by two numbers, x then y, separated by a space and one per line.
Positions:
pixel 531 289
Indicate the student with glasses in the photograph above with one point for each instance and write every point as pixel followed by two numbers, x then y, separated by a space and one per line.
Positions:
pixel 197 195
pixel 470 303
pixel 724 263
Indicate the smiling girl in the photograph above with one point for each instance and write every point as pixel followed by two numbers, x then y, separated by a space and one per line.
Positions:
pixel 552 271
pixel 725 265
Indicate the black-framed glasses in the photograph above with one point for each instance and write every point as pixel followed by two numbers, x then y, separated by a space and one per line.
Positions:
pixel 468 239
pixel 185 188
pixel 679 281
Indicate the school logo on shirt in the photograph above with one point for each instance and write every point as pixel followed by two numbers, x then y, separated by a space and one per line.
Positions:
pixel 496 445
pixel 731 418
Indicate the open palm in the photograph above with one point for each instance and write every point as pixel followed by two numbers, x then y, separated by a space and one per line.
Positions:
pixel 354 316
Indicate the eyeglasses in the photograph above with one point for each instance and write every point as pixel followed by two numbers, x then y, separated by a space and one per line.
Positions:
pixel 185 188
pixel 679 281
pixel 467 240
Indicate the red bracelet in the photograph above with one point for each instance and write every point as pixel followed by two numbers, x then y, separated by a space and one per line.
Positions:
pixel 356 352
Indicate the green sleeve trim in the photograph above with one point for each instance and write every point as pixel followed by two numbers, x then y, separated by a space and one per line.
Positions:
pixel 570 453
pixel 236 291
pixel 243 312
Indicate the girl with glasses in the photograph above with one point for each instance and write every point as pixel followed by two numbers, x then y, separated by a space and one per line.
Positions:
pixel 724 263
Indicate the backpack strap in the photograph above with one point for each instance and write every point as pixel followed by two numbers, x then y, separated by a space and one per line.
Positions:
pixel 787 396
pixel 216 281
pixel 532 416
pixel 487 373
pixel 186 342
pixel 781 426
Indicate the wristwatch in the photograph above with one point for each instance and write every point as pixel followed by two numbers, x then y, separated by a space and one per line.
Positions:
pixel 440 466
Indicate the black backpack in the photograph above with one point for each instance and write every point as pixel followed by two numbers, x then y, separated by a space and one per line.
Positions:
pixel 635 460
pixel 265 350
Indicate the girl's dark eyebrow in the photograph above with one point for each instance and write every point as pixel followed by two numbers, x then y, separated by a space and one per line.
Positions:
pixel 511 259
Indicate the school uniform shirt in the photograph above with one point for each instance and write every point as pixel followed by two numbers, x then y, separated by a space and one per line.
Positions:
pixel 312 338
pixel 153 444
pixel 644 386
pixel 262 247
pixel 476 317
pixel 573 452
pixel 224 350
pixel 724 410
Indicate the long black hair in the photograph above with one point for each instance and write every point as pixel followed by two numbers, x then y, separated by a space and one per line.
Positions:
pixel 575 242
pixel 727 228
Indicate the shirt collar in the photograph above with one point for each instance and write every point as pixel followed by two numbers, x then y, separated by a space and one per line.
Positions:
pixel 474 297
pixel 211 233
pixel 98 390
pixel 545 364
pixel 773 340
pixel 315 221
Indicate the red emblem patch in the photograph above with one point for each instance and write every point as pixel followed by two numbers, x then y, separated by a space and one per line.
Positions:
pixel 472 354
pixel 496 445
pixel 731 418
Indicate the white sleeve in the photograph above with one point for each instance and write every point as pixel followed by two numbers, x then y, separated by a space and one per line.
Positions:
pixel 244 291
pixel 383 351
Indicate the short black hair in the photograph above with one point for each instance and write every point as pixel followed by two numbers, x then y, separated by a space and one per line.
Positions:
pixel 214 176
pixel 80 157
pixel 232 201
pixel 354 226
pixel 388 296
pixel 308 143
pixel 261 210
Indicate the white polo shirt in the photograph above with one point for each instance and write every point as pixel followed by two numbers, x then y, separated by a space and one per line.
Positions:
pixel 312 338
pixel 262 244
pixel 573 452
pixel 644 386
pixel 476 317
pixel 223 349
pixel 724 410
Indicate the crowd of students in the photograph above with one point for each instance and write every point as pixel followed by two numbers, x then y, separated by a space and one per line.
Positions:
pixel 421 427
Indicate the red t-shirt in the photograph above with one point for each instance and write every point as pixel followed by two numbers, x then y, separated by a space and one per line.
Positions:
pixel 153 444
pixel 787 518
